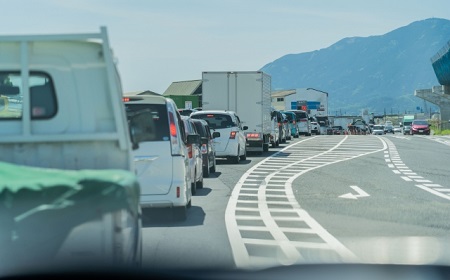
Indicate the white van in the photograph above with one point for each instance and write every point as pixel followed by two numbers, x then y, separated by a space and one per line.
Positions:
pixel 231 143
pixel 161 158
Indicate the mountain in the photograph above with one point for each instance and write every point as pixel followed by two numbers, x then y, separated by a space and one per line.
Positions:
pixel 377 72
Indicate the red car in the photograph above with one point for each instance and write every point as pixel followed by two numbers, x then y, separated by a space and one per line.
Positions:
pixel 420 127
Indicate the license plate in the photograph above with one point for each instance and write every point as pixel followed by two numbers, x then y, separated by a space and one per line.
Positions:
pixel 420 130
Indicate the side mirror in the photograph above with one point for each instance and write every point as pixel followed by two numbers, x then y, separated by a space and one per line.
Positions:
pixel 216 134
pixel 245 127
pixel 193 139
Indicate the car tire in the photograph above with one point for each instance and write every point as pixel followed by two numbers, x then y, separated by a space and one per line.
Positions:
pixel 274 144
pixel 265 147
pixel 206 169
pixel 244 157
pixel 200 183
pixel 194 186
pixel 179 213
pixel 213 168
pixel 235 159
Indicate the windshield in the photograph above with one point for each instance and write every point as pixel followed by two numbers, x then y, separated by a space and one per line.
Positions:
pixel 325 135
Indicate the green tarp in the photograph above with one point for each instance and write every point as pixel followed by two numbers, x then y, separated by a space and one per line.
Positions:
pixel 39 207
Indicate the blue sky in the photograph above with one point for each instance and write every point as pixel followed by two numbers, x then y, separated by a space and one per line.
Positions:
pixel 157 42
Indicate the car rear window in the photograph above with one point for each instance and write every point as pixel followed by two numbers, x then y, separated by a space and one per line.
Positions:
pixel 216 121
pixel 301 115
pixel 149 121
pixel 200 129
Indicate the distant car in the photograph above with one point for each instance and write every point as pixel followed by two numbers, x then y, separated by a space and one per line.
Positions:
pixel 389 128
pixel 292 124
pixel 194 155
pixel 420 127
pixel 397 128
pixel 315 128
pixel 378 130
pixel 231 143
pixel 186 112
pixel 207 146
pixel 282 136
pixel 338 130
pixel 303 122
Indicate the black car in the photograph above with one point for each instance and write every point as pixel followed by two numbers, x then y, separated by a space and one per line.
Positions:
pixel 389 129
pixel 207 147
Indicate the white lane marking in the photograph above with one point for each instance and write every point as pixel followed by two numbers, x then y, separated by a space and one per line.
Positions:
pixel 433 192
pixel 360 192
pixel 242 256
pixel 396 171
pixel 412 176
pixel 391 166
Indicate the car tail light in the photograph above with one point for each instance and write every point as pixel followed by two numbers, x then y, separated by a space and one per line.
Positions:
pixel 204 149
pixel 178 192
pixel 293 122
pixel 125 99
pixel 232 134
pixel 173 134
pixel 253 135
pixel 190 151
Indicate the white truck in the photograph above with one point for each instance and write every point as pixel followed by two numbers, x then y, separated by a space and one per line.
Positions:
pixel 68 192
pixel 248 93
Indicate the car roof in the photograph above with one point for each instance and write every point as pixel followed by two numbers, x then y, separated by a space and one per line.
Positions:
pixel 226 112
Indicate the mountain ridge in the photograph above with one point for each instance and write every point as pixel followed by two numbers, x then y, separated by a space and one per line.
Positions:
pixel 378 72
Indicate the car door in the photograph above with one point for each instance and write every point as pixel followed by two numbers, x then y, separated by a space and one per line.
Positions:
pixel 241 135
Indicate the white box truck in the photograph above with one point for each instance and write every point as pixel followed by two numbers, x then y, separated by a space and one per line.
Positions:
pixel 69 195
pixel 248 93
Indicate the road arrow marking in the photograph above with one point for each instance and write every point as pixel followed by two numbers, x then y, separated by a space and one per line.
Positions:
pixel 360 192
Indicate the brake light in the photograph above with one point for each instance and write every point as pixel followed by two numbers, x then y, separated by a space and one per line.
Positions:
pixel 293 122
pixel 253 135
pixel 178 192
pixel 279 124
pixel 204 149
pixel 190 150
pixel 232 134
pixel 125 99
pixel 173 134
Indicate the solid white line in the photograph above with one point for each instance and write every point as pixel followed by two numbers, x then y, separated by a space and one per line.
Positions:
pixel 433 192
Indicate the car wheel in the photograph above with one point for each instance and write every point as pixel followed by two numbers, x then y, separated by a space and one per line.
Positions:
pixel 265 147
pixel 179 213
pixel 213 168
pixel 244 157
pixel 194 186
pixel 200 183
pixel 277 143
pixel 274 144
pixel 206 169
pixel 235 159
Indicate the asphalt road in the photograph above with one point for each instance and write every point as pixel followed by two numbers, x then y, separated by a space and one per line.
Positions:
pixel 315 199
